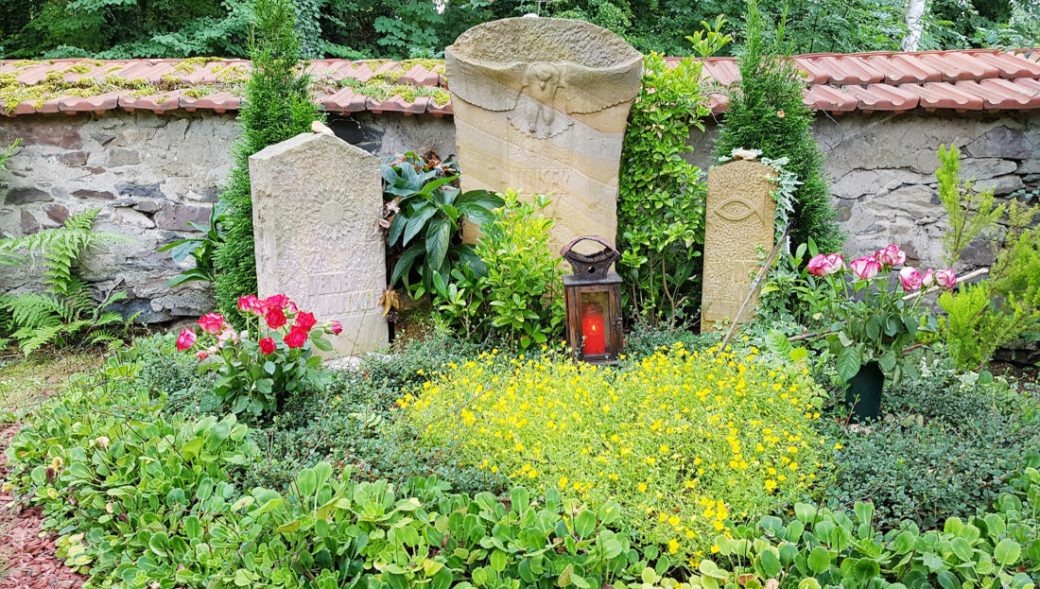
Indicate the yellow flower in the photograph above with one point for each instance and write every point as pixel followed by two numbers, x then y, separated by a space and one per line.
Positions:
pixel 673 546
pixel 642 487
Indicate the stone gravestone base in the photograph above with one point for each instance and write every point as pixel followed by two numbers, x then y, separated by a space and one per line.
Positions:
pixel 317 202
pixel 739 228
pixel 540 106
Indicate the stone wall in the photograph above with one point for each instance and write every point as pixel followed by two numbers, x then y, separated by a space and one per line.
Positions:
pixel 882 172
pixel 151 174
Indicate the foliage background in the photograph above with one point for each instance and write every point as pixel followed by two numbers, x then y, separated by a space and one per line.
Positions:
pixel 396 28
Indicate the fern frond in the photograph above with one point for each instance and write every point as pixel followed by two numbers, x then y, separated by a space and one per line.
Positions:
pixel 32 339
pixel 34 310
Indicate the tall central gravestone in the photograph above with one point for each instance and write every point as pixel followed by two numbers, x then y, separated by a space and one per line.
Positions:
pixel 540 106
pixel 317 203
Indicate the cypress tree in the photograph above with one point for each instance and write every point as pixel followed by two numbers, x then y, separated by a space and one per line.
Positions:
pixel 276 106
pixel 767 113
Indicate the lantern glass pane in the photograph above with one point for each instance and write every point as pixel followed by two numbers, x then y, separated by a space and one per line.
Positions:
pixel 595 319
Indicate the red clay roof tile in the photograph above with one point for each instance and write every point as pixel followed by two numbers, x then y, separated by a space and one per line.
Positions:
pixel 960 80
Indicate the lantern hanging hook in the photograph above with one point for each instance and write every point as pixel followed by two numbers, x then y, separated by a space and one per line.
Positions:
pixel 590 267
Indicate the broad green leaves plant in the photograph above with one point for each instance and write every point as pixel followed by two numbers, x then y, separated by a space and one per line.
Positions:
pixel 428 211
pixel 200 249
pixel 514 293
pixel 822 548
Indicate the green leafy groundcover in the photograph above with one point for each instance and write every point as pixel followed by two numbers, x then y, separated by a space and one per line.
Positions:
pixel 142 498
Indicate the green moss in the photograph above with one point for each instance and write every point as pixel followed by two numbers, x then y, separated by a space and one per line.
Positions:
pixel 229 79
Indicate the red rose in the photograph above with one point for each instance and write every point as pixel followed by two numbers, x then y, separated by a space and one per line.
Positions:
pixel 335 327
pixel 278 300
pixel 202 354
pixel 267 345
pixel 211 323
pixel 275 317
pixel 306 321
pixel 296 337
pixel 247 303
pixel 185 340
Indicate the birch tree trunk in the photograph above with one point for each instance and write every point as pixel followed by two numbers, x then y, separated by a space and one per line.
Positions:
pixel 914 24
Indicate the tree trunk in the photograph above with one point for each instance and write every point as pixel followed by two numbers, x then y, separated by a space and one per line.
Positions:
pixel 914 24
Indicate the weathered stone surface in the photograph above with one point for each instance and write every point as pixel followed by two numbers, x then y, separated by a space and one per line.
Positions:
pixel 739 224
pixel 57 212
pixel 26 195
pixel 29 223
pixel 87 193
pixel 1001 142
pixel 177 216
pixel 1001 185
pixel 135 189
pixel 317 203
pixel 540 106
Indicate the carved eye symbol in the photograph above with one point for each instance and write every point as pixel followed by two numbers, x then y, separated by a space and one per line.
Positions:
pixel 735 210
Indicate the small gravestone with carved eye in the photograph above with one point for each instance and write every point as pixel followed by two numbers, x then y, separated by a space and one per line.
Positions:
pixel 739 229
pixel 593 295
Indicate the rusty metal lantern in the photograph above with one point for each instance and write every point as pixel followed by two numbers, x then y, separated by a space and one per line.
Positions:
pixel 593 296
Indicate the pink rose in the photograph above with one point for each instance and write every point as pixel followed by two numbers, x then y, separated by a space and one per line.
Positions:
pixel 910 279
pixel 267 345
pixel 186 339
pixel 306 320
pixel 248 303
pixel 296 337
pixel 211 323
pixel 946 278
pixel 278 300
pixel 335 327
pixel 275 317
pixel 865 267
pixel 928 279
pixel 292 308
pixel 826 264
pixel 891 255
pixel 202 354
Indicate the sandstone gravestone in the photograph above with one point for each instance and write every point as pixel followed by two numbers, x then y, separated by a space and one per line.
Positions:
pixel 738 227
pixel 317 202
pixel 540 106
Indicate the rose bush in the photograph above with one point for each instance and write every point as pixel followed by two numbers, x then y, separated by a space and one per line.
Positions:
pixel 866 319
pixel 261 366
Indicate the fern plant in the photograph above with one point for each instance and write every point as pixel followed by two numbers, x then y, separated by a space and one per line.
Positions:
pixel 65 313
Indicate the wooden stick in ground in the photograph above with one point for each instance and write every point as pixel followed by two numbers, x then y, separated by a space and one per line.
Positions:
pixel 754 288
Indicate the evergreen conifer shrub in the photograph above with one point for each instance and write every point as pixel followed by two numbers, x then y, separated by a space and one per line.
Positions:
pixel 767 113
pixel 276 107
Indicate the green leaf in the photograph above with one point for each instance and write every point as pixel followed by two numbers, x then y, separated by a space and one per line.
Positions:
pixel 819 559
pixel 1007 552
pixel 585 523
pixel 437 240
pixel 417 223
pixel 770 563
pixel 849 362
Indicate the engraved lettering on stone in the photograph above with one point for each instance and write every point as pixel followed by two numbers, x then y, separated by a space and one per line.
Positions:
pixel 738 226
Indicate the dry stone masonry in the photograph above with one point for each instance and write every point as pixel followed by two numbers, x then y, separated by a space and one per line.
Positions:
pixel 739 228
pixel 317 203
pixel 540 106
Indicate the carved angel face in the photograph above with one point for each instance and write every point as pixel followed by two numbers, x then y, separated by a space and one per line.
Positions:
pixel 544 76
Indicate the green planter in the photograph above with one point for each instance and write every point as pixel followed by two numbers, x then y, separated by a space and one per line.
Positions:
pixel 864 392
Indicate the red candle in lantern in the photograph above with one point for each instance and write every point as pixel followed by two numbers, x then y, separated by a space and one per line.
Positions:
pixel 593 328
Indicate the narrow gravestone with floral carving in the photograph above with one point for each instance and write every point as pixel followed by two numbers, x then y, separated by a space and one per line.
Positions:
pixel 739 231
pixel 540 106
pixel 317 203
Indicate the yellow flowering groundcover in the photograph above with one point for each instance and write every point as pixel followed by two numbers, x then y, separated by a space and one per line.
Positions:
pixel 685 441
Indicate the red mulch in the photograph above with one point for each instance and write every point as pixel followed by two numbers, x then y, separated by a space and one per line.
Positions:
pixel 27 560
